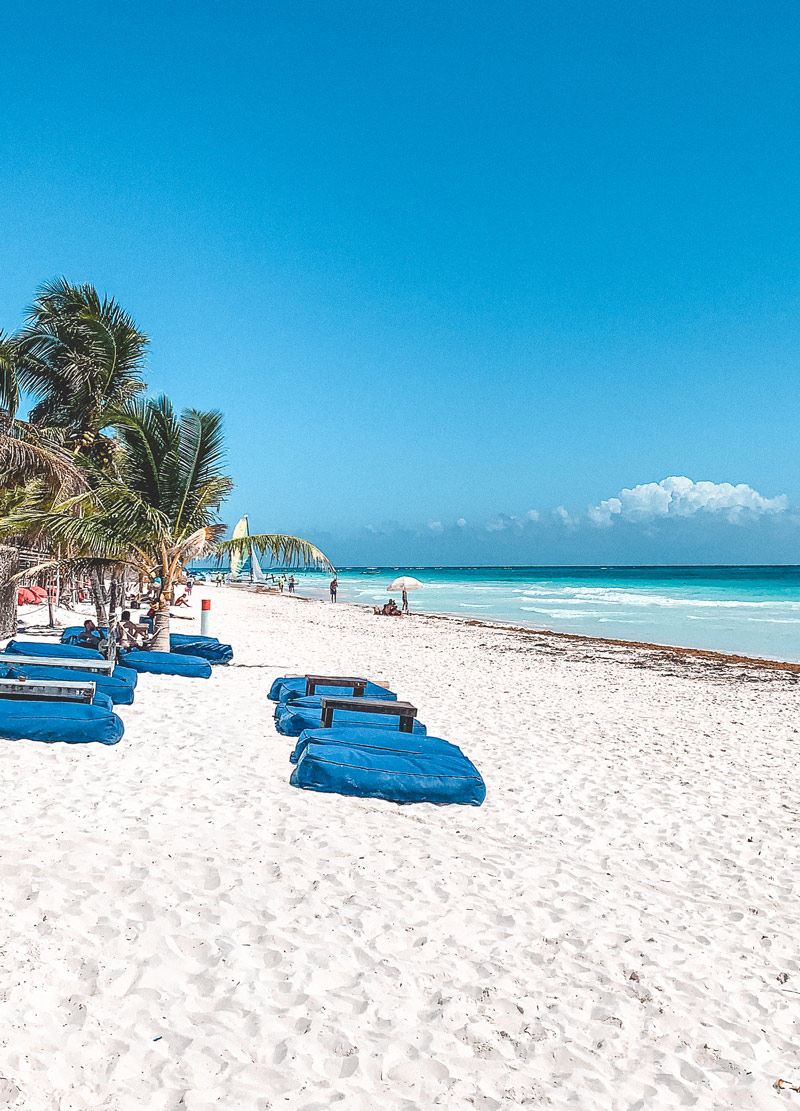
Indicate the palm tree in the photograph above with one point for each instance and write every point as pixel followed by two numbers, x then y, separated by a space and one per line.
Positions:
pixel 9 383
pixel 158 509
pixel 81 357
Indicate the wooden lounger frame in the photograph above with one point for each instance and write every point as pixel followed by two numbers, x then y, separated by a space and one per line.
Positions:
pixel 46 690
pixel 403 710
pixel 314 681
pixel 71 662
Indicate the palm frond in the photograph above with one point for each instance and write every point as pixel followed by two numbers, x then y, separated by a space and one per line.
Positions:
pixel 150 433
pixel 201 454
pixel 27 454
pixel 9 380
pixel 77 563
pixel 195 545
pixel 89 535
pixel 290 551
pixel 211 496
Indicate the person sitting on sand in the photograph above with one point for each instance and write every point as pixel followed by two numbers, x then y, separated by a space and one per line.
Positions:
pixel 90 636
pixel 183 600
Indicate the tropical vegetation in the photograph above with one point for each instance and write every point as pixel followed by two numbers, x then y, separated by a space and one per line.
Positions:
pixel 108 482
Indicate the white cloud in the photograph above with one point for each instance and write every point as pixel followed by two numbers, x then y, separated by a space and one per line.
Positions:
pixel 435 526
pixel 678 496
pixel 532 515
pixel 505 521
pixel 462 522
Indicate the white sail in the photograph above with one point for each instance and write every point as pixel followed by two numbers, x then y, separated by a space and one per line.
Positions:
pixel 237 560
pixel 256 573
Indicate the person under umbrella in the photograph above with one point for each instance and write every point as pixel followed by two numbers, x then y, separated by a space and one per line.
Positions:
pixel 402 586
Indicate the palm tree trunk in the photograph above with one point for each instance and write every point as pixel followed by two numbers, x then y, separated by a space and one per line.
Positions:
pixel 160 642
pixel 98 597
pixel 113 594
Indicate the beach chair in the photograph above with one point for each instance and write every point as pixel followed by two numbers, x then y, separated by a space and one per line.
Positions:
pixel 207 648
pixel 62 651
pixel 166 663
pixel 31 653
pixel 183 644
pixel 370 736
pixel 45 690
pixel 291 718
pixel 102 667
pixel 291 687
pixel 114 684
pixel 56 710
pixel 384 764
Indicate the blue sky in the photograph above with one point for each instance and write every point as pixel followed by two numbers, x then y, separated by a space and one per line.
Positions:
pixel 437 263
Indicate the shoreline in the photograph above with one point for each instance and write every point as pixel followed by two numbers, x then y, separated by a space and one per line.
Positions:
pixel 674 651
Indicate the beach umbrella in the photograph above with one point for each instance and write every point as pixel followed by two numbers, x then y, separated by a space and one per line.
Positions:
pixel 405 582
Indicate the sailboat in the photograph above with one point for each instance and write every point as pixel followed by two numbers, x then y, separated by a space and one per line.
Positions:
pixel 238 560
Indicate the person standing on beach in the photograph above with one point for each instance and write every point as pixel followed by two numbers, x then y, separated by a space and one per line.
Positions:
pixel 291 584
pixel 405 601
pixel 334 588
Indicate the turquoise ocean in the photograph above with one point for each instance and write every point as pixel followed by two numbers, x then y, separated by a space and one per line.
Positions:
pixel 754 611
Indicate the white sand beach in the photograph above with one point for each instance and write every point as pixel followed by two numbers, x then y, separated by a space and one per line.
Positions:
pixel 615 928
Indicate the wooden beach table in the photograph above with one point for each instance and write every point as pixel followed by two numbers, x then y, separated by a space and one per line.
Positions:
pixel 402 710
pixel 46 690
pixel 103 667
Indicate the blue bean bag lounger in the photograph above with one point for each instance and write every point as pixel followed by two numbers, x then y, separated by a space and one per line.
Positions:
pixel 367 736
pixel 291 687
pixel 120 691
pixel 207 648
pixel 291 718
pixel 39 648
pixel 67 651
pixel 70 722
pixel 436 777
pixel 102 700
pixel 184 644
pixel 72 632
pixel 167 663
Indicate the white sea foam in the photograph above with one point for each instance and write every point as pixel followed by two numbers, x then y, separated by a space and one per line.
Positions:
pixel 582 595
